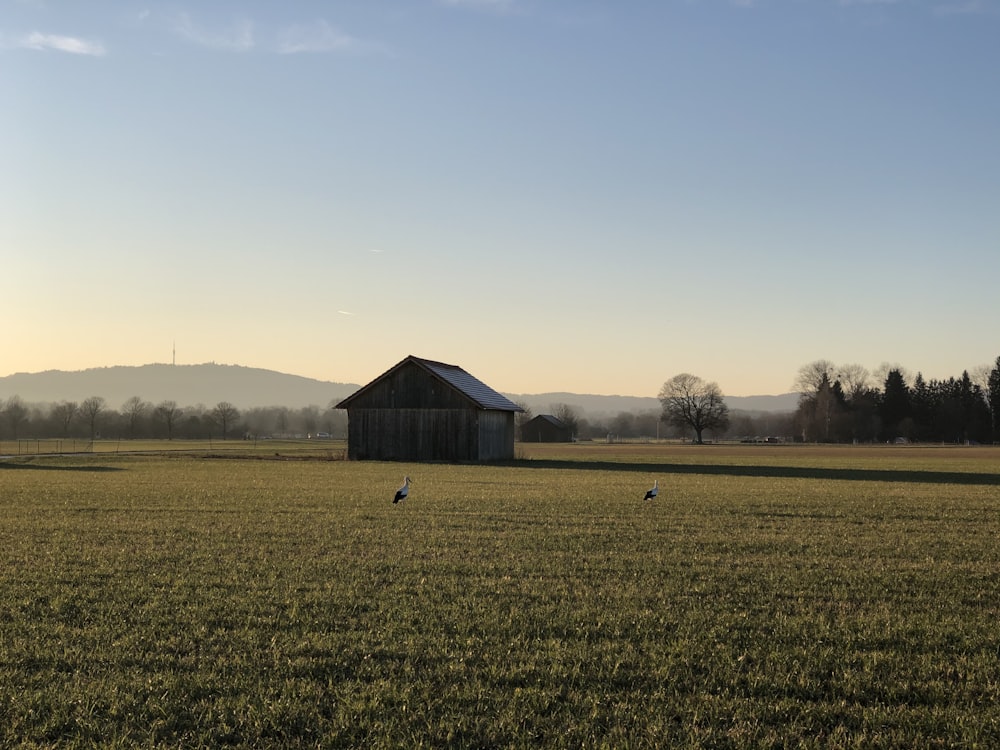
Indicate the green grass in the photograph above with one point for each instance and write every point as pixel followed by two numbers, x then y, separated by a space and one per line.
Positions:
pixel 769 598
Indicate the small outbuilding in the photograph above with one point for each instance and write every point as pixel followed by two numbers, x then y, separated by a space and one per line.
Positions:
pixel 421 410
pixel 546 428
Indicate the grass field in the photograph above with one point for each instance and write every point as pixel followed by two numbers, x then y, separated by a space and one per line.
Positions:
pixel 770 597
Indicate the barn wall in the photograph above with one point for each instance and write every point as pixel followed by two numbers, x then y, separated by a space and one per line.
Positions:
pixel 540 430
pixel 496 435
pixel 413 434
pixel 429 435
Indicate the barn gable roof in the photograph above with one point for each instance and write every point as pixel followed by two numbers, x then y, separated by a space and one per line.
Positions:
pixel 472 388
pixel 552 420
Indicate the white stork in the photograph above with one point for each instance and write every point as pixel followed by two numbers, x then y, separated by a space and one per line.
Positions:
pixel 653 491
pixel 403 491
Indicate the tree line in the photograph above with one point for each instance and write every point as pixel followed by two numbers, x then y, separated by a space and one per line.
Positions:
pixel 837 404
pixel 845 404
pixel 849 404
pixel 94 418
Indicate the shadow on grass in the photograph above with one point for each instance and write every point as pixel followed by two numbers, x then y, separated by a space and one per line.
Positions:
pixel 50 467
pixel 776 472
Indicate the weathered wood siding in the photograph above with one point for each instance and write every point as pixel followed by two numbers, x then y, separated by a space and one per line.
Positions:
pixel 430 435
pixel 496 435
pixel 412 434
pixel 541 430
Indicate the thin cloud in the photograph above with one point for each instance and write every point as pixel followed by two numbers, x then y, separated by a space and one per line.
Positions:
pixel 238 38
pixel 69 44
pixel 345 312
pixel 492 6
pixel 317 37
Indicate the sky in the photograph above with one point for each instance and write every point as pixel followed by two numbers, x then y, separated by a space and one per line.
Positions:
pixel 589 196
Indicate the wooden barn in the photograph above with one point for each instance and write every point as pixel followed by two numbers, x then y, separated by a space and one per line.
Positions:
pixel 546 428
pixel 420 410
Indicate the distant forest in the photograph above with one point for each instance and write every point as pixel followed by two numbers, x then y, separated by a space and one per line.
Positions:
pixel 843 404
pixel 93 418
pixel 840 405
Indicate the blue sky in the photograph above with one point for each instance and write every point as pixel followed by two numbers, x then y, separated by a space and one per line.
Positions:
pixel 581 196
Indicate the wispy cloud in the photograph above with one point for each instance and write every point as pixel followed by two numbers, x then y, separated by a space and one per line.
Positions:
pixel 868 2
pixel 237 38
pixel 316 37
pixel 493 6
pixel 70 44
pixel 346 312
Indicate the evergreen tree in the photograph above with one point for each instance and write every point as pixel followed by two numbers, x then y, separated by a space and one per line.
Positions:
pixel 922 403
pixel 895 407
pixel 864 417
pixel 993 397
pixel 975 411
pixel 948 419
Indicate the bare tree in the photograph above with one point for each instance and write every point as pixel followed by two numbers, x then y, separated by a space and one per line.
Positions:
pixel 168 412
pixel 310 418
pixel 90 411
pixel 281 420
pixel 813 375
pixel 855 381
pixel 980 376
pixel 224 414
pixel 64 413
pixel 568 415
pixel 688 401
pixel 881 373
pixel 521 418
pixel 134 410
pixel 15 412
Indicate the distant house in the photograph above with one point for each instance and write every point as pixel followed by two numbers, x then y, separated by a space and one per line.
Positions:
pixel 546 428
pixel 421 410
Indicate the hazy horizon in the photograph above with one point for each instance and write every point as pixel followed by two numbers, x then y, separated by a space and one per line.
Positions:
pixel 557 196
pixel 252 387
pixel 340 381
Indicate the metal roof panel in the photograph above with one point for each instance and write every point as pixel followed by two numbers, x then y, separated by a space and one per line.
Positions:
pixel 472 387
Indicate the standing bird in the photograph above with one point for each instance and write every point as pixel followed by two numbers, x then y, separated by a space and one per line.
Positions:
pixel 403 491
pixel 653 491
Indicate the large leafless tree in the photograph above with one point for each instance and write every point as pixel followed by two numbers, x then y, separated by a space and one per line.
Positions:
pixel 568 415
pixel 15 413
pixel 690 402
pixel 90 411
pixel 64 413
pixel 224 414
pixel 134 409
pixel 168 413
pixel 811 377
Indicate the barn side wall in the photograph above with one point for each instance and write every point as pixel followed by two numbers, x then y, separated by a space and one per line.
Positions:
pixel 412 434
pixel 542 431
pixel 429 435
pixel 496 435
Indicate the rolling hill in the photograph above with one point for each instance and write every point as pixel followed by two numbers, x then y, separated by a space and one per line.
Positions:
pixel 188 385
pixel 249 387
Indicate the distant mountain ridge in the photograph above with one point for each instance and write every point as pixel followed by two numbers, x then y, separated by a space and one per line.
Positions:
pixel 249 387
pixel 188 385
